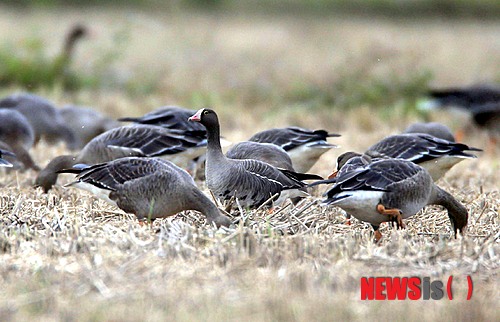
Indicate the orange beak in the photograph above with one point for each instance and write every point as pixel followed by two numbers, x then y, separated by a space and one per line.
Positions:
pixel 333 174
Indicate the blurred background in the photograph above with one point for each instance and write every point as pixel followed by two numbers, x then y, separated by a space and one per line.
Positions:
pixel 309 63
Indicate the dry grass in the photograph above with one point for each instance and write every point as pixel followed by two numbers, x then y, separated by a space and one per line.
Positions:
pixel 67 256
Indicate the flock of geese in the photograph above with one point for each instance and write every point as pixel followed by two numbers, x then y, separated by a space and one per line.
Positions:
pixel 140 168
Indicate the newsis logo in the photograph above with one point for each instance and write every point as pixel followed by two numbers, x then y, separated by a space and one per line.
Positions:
pixel 411 288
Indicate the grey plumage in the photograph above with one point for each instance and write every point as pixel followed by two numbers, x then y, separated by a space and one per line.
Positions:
pixel 147 187
pixel 395 184
pixel 86 123
pixel 134 140
pixel 304 146
pixel 251 182
pixel 17 135
pixel 266 152
pixel 43 116
pixel 432 128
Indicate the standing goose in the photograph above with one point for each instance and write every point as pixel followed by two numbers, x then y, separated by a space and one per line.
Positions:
pixel 16 135
pixel 44 118
pixel 133 140
pixel 251 182
pixel 304 146
pixel 265 152
pixel 147 187
pixel 390 190
pixel 435 129
pixel 86 123
pixel 3 162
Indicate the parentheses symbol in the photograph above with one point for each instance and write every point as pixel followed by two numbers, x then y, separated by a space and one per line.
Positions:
pixel 471 287
pixel 448 288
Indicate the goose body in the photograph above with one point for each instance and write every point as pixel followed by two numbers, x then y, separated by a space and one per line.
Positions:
pixel 17 135
pixel 250 181
pixel 43 116
pixel 133 140
pixel 436 155
pixel 147 187
pixel 266 152
pixel 304 146
pixel 86 123
pixel 395 184
pixel 435 129
pixel 171 117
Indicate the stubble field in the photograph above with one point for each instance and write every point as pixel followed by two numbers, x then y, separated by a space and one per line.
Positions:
pixel 66 256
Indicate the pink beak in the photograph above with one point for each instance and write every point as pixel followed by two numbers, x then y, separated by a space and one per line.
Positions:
pixel 196 117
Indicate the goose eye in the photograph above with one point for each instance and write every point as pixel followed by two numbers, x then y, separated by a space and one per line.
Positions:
pixel 205 112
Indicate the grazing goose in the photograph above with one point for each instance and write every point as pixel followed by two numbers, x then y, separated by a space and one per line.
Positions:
pixel 436 155
pixel 304 146
pixel 43 116
pixel 432 128
pixel 390 190
pixel 251 182
pixel 133 140
pixel 171 117
pixel 3 162
pixel 482 103
pixel 16 135
pixel 147 187
pixel 266 152
pixel 86 123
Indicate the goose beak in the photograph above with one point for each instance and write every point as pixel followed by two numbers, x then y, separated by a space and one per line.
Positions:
pixel 333 175
pixel 196 117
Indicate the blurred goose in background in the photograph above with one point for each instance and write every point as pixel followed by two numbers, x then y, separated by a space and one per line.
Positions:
pixel 43 116
pixel 4 162
pixel 16 135
pixel 390 190
pixel 265 152
pixel 170 117
pixel 481 103
pixel 432 128
pixel 134 140
pixel 86 123
pixel 304 146
pixel 434 154
pixel 150 188
pixel 250 182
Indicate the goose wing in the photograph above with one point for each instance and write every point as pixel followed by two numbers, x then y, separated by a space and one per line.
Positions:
pixel 292 137
pixel 418 147
pixel 149 140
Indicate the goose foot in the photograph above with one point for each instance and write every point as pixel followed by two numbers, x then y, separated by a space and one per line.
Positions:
pixel 393 213
pixel 347 220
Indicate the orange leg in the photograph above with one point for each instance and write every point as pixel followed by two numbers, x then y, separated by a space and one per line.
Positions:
pixel 393 213
pixel 348 220
pixel 378 235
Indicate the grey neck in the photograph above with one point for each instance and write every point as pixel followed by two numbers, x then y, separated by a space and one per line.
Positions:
pixel 456 211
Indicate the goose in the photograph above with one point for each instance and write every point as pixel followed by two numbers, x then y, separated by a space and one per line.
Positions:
pixel 266 152
pixel 436 155
pixel 304 146
pixel 86 123
pixel 480 102
pixel 171 117
pixel 43 116
pixel 251 182
pixel 34 68
pixel 4 162
pixel 390 190
pixel 149 188
pixel 16 135
pixel 435 129
pixel 132 140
